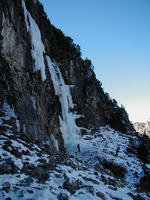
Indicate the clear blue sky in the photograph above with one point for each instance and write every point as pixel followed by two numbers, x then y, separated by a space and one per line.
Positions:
pixel 115 35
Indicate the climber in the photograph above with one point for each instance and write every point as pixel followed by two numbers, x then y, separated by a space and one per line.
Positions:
pixel 117 151
pixel 78 146
pixel 72 109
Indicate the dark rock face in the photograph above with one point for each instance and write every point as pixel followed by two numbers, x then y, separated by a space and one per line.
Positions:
pixel 34 101
pixel 143 149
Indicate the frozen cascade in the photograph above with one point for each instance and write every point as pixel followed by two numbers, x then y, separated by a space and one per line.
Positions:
pixel 68 127
pixel 38 49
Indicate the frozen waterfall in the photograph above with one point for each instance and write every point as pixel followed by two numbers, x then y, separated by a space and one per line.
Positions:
pixel 38 48
pixel 68 127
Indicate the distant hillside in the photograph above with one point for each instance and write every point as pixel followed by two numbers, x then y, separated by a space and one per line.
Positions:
pixel 143 128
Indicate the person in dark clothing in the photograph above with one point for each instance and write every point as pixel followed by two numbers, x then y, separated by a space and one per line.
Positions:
pixel 78 146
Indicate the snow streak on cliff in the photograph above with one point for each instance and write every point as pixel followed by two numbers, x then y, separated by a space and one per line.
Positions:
pixel 67 118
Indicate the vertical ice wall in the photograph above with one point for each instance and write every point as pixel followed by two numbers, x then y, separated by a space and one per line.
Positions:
pixel 38 49
pixel 68 127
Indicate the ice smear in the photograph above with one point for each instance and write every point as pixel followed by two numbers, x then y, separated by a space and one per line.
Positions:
pixel 148 166
pixel 33 102
pixel 38 48
pixel 8 111
pixel 55 142
pixel 68 127
pixel 8 114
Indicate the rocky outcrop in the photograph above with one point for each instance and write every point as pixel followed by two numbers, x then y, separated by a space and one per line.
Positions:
pixel 143 128
pixel 30 91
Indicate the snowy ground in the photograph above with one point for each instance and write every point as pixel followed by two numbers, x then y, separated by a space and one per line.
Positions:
pixel 27 173
pixel 111 146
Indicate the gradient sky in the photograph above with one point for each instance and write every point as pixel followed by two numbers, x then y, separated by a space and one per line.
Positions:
pixel 115 35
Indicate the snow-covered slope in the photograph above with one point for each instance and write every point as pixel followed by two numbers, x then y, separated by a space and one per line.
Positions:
pixel 104 169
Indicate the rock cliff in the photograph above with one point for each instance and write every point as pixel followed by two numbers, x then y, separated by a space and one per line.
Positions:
pixel 38 64
pixel 143 128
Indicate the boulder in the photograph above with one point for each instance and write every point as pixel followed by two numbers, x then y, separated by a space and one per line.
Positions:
pixel 72 186
pixel 6 186
pixel 62 196
pixel 40 174
pixel 5 169
pixel 101 195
